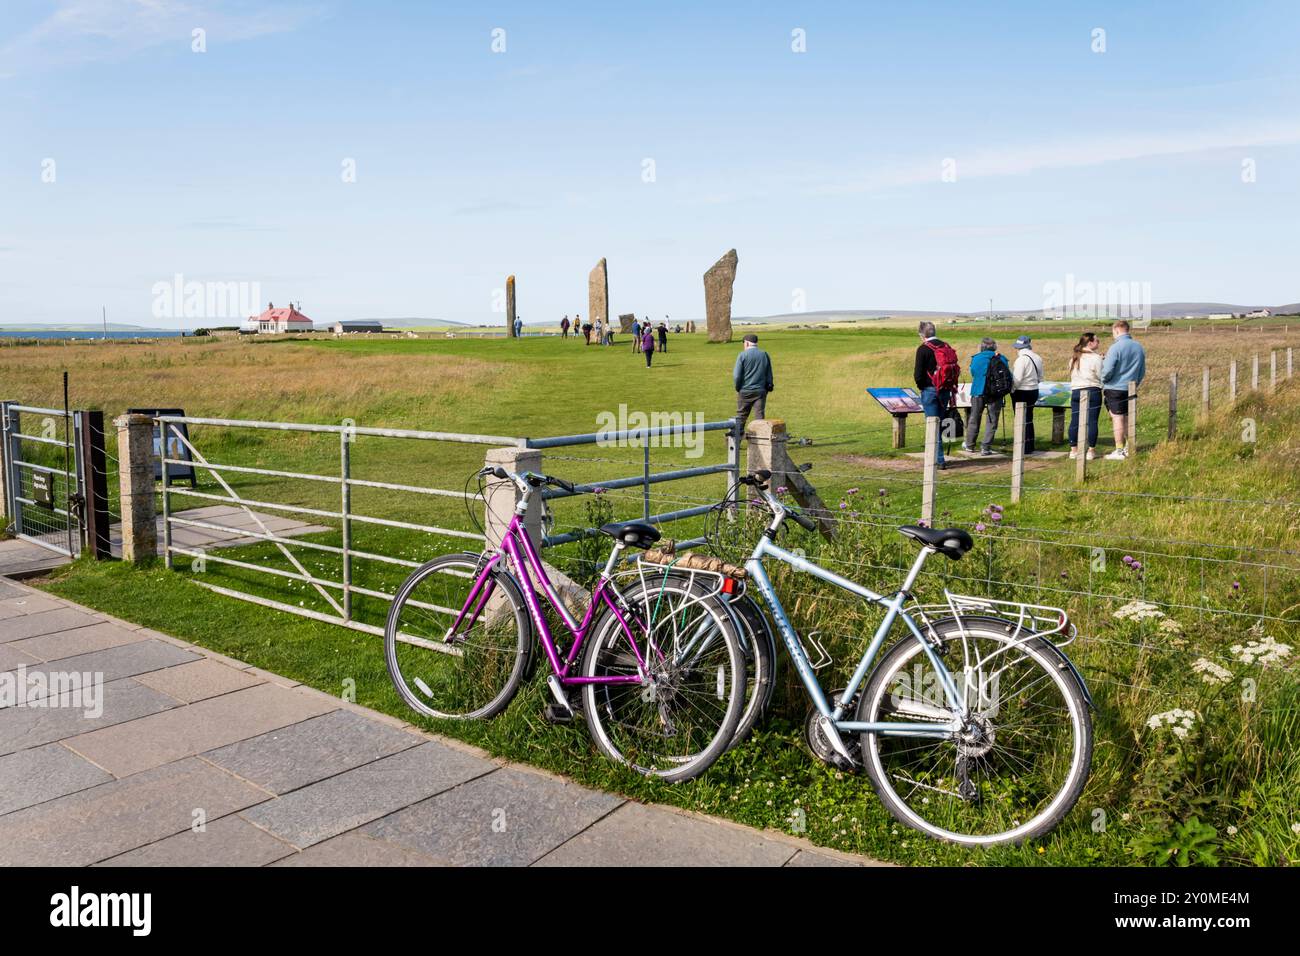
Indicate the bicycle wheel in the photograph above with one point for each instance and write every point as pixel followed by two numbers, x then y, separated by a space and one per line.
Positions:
pixel 475 673
pixel 760 663
pixel 1023 760
pixel 676 723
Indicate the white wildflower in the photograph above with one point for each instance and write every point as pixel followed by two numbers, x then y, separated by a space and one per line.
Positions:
pixel 1170 626
pixel 1138 611
pixel 1263 652
pixel 1295 828
pixel 1178 720
pixel 1232 831
pixel 1211 672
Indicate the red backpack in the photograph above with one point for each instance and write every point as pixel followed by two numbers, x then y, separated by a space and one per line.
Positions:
pixel 947 371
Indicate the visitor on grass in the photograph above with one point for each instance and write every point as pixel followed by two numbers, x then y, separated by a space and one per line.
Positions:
pixel 990 384
pixel 636 335
pixel 1027 375
pixel 519 327
pixel 663 337
pixel 752 376
pixel 598 332
pixel 1126 361
pixel 587 329
pixel 564 327
pixel 936 374
pixel 1085 379
pixel 648 344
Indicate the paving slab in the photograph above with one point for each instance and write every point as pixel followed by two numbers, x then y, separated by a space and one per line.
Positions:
pixel 295 756
pixel 8 590
pixel 79 640
pixel 508 818
pixel 12 659
pixel 230 841
pixel 34 726
pixel 29 603
pixel 151 741
pixel 637 835
pixel 33 776
pixel 46 622
pixel 357 849
pixel 101 822
pixel 115 663
pixel 198 680
pixel 349 800
pixel 813 858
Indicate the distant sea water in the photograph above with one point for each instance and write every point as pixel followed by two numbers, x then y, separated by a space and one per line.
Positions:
pixel 111 334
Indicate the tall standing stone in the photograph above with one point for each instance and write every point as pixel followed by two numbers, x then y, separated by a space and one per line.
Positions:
pixel 625 322
pixel 598 294
pixel 510 306
pixel 717 297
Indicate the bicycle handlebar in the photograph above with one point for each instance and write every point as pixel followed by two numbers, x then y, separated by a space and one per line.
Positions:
pixel 529 479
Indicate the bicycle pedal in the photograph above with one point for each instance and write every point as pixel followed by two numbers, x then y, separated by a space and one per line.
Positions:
pixel 554 714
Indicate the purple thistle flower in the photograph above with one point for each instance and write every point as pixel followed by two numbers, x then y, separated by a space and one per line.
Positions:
pixel 997 516
pixel 1063 575
pixel 1236 585
pixel 852 491
pixel 1128 559
pixel 1136 565
pixel 843 505
pixel 980 526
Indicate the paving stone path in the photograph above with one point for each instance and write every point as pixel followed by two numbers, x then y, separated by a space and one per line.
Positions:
pixel 285 775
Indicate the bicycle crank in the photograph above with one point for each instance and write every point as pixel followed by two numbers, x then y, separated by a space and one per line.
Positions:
pixel 820 743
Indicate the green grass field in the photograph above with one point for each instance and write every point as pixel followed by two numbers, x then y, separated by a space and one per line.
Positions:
pixel 1209 517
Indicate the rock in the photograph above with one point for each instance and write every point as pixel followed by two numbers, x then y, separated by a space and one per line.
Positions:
pixel 510 306
pixel 625 323
pixel 598 294
pixel 717 297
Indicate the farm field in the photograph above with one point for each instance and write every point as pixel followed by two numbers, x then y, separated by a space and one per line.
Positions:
pixel 1210 520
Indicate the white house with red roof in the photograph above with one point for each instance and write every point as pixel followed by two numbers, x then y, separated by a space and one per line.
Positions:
pixel 281 320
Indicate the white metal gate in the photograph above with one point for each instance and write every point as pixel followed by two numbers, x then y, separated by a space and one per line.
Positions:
pixel 43 469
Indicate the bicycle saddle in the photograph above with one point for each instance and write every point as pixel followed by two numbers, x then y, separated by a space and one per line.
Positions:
pixel 637 534
pixel 951 542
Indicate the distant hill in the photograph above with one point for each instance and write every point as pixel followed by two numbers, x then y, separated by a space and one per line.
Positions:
pixel 76 327
pixel 1159 310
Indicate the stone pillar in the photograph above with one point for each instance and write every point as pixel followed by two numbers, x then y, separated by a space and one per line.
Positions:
pixel 135 468
pixel 718 282
pixel 501 495
pixel 510 306
pixel 767 446
pixel 598 294
pixel 625 323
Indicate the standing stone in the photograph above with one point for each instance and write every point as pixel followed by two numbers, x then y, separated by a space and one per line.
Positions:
pixel 717 297
pixel 625 323
pixel 510 306
pixel 598 294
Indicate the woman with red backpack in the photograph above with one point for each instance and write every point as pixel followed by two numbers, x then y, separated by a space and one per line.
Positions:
pixel 936 375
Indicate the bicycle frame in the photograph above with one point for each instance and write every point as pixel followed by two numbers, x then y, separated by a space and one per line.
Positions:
pixel 518 549
pixel 894 611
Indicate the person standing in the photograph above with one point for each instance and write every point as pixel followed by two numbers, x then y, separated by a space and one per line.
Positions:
pixel 598 332
pixel 935 373
pixel 752 376
pixel 519 327
pixel 564 327
pixel 1026 375
pixel 1126 361
pixel 648 344
pixel 663 337
pixel 636 335
pixel 1085 378
pixel 586 332
pixel 990 383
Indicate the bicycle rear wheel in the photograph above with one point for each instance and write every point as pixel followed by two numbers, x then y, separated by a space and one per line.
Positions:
pixel 760 663
pixel 1019 767
pixel 678 720
pixel 472 673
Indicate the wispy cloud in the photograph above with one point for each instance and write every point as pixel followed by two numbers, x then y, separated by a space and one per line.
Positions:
pixel 88 31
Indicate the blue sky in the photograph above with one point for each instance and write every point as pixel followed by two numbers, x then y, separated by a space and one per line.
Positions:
pixel 822 168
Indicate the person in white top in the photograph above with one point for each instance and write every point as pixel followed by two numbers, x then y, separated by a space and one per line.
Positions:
pixel 1085 379
pixel 1026 376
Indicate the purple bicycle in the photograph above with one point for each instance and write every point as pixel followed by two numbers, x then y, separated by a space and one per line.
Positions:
pixel 656 664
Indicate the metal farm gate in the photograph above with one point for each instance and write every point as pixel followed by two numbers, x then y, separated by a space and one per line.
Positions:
pixel 55 484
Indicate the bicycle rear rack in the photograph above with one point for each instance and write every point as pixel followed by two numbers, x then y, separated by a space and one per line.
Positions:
pixel 1028 620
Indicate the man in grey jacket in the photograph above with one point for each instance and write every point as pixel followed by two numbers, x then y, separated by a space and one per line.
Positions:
pixel 753 380
pixel 1126 361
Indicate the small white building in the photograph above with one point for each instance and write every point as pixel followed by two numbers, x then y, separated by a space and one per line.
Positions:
pixel 357 325
pixel 282 320
pixel 1259 314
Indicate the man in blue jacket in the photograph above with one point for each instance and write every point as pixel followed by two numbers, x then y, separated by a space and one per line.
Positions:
pixel 753 380
pixel 983 400
pixel 1126 361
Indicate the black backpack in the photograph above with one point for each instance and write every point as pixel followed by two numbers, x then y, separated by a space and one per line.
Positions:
pixel 997 380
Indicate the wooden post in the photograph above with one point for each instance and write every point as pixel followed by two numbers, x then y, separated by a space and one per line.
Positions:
pixel 930 470
pixel 1173 406
pixel 1205 393
pixel 135 472
pixel 1272 370
pixel 1017 450
pixel 1254 372
pixel 900 430
pixel 1288 361
pixel 1081 440
pixel 1232 381
pixel 1132 443
pixel 1058 425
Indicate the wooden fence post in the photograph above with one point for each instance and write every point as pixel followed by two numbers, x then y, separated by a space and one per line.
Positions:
pixel 1081 439
pixel 1254 372
pixel 1288 361
pixel 1232 381
pixel 1272 370
pixel 930 470
pixel 1017 450
pixel 1173 406
pixel 1205 393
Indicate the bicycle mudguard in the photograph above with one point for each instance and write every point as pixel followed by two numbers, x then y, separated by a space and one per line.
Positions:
pixel 1011 628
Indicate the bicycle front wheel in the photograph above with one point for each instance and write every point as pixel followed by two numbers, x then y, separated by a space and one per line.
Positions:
pixel 1024 758
pixel 467 673
pixel 676 719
